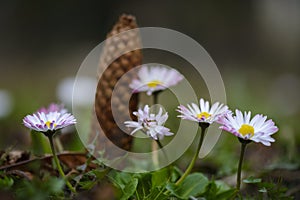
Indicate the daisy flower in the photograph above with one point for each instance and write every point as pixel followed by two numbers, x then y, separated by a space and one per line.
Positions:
pixel 256 129
pixel 151 79
pixel 203 114
pixel 151 124
pixel 48 121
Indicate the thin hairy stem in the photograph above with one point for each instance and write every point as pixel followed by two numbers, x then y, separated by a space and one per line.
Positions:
pixel 192 163
pixel 56 160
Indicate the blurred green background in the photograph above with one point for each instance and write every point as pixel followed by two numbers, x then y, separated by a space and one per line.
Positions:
pixel 255 44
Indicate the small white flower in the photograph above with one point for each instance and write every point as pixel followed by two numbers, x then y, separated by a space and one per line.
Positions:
pixel 49 121
pixel 257 129
pixel 151 79
pixel 203 114
pixel 151 124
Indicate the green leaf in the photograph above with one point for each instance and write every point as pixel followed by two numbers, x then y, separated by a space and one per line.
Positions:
pixel 221 186
pixel 126 182
pixel 211 190
pixel 119 179
pixel 157 193
pixel 218 190
pixel 144 185
pixel 175 174
pixel 228 194
pixel 160 177
pixel 86 185
pixel 98 173
pixel 6 182
pixel 192 185
pixel 252 179
pixel 129 189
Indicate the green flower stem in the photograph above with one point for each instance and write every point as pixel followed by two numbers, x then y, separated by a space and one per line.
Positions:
pixel 155 97
pixel 238 180
pixel 154 154
pixel 192 163
pixel 60 170
pixel 161 147
pixel 154 143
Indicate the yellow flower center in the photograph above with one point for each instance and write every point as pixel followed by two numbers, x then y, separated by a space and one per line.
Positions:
pixel 203 115
pixel 246 129
pixel 48 123
pixel 153 84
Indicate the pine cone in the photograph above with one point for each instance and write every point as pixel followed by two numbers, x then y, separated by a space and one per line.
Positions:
pixel 118 64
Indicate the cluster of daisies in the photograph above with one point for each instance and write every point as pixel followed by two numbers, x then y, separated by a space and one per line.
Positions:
pixel 153 79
